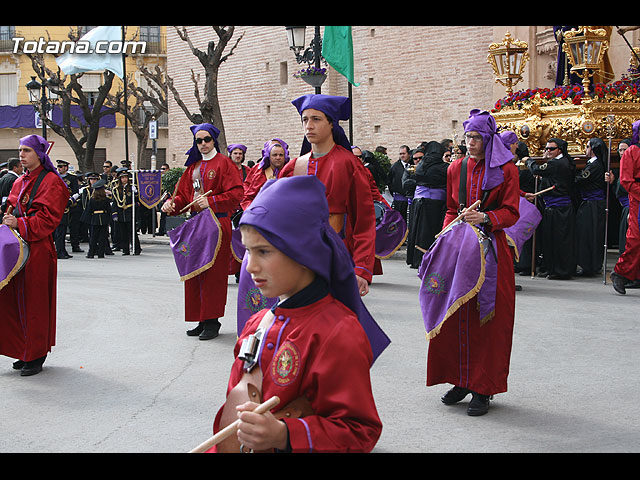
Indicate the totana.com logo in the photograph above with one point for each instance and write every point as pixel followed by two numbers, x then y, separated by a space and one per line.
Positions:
pixel 55 47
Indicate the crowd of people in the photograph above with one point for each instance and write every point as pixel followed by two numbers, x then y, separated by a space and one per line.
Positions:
pixel 307 224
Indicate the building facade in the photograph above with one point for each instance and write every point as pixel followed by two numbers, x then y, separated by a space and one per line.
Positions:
pixel 18 117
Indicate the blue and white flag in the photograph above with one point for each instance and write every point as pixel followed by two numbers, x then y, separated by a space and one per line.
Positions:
pixel 91 60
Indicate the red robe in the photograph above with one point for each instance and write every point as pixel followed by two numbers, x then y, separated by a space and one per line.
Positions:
pixel 256 178
pixel 321 352
pixel 466 353
pixel 205 296
pixel 628 265
pixel 348 193
pixel 28 302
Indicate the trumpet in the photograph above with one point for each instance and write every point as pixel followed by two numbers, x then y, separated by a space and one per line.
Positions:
pixel 411 169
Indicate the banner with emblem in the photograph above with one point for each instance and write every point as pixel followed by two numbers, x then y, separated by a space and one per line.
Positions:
pixel 391 233
pixel 454 270
pixel 14 253
pixel 149 187
pixel 195 244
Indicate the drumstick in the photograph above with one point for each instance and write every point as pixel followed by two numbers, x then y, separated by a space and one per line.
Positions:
pixel 459 217
pixel 192 203
pixel 232 427
pixel 542 191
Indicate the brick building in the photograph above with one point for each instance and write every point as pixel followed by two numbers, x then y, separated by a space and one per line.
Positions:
pixel 416 82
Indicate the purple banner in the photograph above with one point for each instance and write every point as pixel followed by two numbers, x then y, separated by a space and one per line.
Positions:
pixel 14 253
pixel 195 244
pixel 149 187
pixel 250 298
pixel 24 116
pixel 391 233
pixel 523 229
pixel 452 272
pixel 237 247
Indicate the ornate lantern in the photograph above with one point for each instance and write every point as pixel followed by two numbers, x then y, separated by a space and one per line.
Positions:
pixel 508 59
pixel 585 48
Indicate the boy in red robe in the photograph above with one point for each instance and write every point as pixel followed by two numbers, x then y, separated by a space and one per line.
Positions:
pixel 205 295
pixel 315 347
pixel 326 153
pixel 471 354
pixel 28 313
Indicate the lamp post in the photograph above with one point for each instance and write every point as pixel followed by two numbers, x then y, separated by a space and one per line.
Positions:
pixel 508 59
pixel 585 48
pixel 312 55
pixel 42 96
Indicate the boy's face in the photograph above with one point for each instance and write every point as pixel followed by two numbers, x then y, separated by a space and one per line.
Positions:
pixel 274 273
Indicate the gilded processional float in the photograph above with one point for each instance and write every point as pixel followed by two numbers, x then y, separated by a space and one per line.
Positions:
pixel 577 110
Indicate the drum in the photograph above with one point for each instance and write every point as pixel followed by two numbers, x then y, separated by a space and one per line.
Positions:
pixel 379 209
pixel 195 244
pixel 14 253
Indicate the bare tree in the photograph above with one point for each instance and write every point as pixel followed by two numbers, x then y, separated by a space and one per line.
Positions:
pixel 147 105
pixel 211 59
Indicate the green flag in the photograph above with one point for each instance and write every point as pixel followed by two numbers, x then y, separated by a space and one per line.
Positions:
pixel 337 50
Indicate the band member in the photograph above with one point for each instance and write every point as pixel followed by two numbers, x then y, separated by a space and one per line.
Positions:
pixel 326 153
pixel 99 209
pixel 28 314
pixel 125 200
pixel 60 232
pixel 319 348
pixel 237 154
pixel 208 170
pixel 478 362
pixel 558 218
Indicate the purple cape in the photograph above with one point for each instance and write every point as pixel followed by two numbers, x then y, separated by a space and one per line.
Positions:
pixel 250 299
pixel 293 215
pixel 455 269
pixel 523 229
pixel 391 233
pixel 195 244
pixel 14 253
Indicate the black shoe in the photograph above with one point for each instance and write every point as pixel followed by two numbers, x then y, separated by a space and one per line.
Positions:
pixel 632 284
pixel 89 256
pixel 125 253
pixel 194 332
pixel 455 395
pixel 619 283
pixel 64 256
pixel 76 250
pixel 18 364
pixel 32 367
pixel 479 405
pixel 211 329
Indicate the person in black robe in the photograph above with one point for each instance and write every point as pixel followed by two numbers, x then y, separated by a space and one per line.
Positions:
pixel 591 214
pixel 558 217
pixel 99 217
pixel 429 203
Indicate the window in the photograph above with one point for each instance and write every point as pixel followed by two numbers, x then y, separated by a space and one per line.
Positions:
pixel 8 89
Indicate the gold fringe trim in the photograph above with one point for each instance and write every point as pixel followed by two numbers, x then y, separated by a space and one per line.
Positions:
pixel 197 272
pixel 397 248
pixel 233 254
pixel 512 244
pixel 465 298
pixel 18 266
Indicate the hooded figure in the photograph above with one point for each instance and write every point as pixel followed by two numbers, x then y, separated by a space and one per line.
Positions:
pixel 37 201
pixel 348 189
pixel 479 362
pixel 429 203
pixel 591 214
pixel 314 348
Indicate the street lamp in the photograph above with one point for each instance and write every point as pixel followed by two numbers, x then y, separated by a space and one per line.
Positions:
pixel 43 96
pixel 508 59
pixel 312 55
pixel 585 48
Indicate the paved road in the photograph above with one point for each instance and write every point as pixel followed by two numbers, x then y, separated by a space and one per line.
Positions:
pixel 124 377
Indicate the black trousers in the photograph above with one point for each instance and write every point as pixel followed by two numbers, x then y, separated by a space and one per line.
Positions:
pixel 99 240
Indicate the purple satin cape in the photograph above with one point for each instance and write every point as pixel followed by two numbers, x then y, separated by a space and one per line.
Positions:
pixel 455 269
pixel 195 244
pixel 523 229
